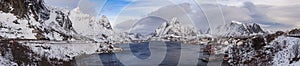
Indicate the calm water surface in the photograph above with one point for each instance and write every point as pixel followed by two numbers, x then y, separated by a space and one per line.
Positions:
pixel 149 54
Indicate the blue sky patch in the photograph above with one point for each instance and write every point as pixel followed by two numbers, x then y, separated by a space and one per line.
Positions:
pixel 113 7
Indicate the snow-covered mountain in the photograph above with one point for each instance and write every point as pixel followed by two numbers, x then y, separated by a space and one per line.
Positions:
pixel 294 32
pixel 31 19
pixel 33 22
pixel 173 29
pixel 238 29
pixel 97 29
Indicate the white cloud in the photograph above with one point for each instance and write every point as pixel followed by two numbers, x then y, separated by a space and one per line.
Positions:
pixel 137 10
pixel 124 26
pixel 261 2
pixel 69 4
pixel 284 14
pixel 130 13
pixel 141 8
pixel 147 25
pixel 91 7
pixel 166 12
pixel 262 11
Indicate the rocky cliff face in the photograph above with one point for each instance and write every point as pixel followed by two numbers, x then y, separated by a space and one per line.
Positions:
pixel 174 29
pixel 31 19
pixel 25 8
pixel 238 29
pixel 294 31
pixel 105 23
pixel 96 29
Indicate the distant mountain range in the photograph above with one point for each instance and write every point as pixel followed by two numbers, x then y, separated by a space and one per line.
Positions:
pixel 237 29
pixel 175 29
pixel 37 21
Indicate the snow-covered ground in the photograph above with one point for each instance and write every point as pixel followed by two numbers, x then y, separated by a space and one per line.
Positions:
pixel 68 50
pixel 290 48
pixel 65 51
pixel 9 29
pixel 282 51
pixel 239 29
pixel 6 62
pixel 39 52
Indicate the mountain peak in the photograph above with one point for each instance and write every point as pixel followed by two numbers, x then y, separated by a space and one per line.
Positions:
pixel 236 22
pixel 103 16
pixel 174 20
pixel 25 8
pixel 105 22
pixel 173 29
pixel 236 28
pixel 77 9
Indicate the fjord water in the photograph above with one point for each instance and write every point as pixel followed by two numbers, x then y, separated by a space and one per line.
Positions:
pixel 149 54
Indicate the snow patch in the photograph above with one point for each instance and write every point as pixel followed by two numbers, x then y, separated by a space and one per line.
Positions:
pixel 7 62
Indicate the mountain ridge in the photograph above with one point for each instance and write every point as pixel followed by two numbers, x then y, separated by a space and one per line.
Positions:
pixel 237 29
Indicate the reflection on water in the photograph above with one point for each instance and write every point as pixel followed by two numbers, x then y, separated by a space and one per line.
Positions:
pixel 110 60
pixel 141 50
pixel 176 54
pixel 173 54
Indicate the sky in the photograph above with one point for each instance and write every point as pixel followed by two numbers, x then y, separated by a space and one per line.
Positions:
pixel 136 15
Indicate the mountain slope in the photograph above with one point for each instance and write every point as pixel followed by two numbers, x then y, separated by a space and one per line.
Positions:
pixel 31 19
pixel 238 29
pixel 25 24
pixel 94 28
pixel 174 29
